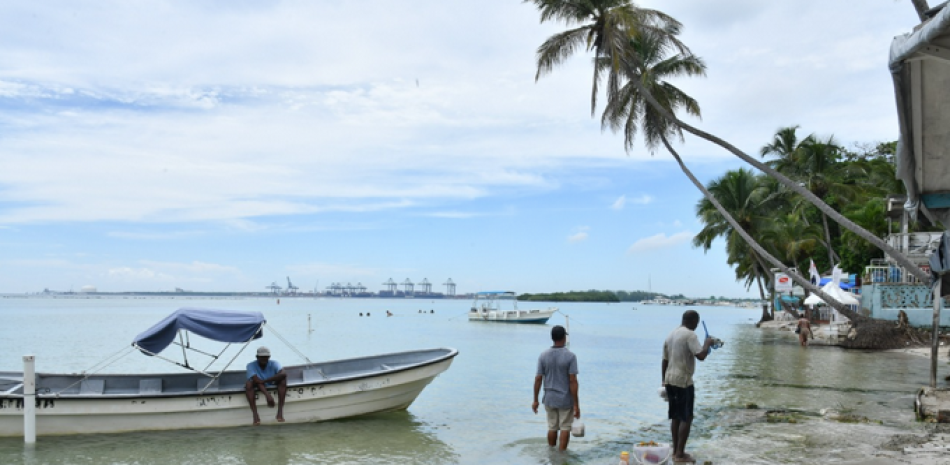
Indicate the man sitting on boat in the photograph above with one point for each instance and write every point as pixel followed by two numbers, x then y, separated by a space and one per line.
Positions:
pixel 264 373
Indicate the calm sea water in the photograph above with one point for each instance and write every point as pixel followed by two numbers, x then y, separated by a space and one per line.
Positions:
pixel 479 410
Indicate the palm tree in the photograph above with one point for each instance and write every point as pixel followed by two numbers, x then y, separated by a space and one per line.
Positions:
pixel 793 237
pixel 798 189
pixel 784 146
pixel 628 111
pixel 623 61
pixel 605 27
pixel 742 194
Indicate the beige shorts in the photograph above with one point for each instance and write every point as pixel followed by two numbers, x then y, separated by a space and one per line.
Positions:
pixel 560 419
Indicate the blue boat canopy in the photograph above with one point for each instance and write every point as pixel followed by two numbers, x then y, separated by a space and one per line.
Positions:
pixel 217 325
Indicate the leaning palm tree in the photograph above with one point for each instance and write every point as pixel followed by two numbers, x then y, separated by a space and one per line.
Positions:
pixel 605 24
pixel 627 110
pixel 623 65
pixel 794 187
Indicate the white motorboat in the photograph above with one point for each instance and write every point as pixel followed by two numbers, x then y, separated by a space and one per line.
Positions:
pixel 109 403
pixel 487 307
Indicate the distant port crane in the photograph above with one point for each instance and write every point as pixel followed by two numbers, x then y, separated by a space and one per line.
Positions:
pixel 390 285
pixel 291 289
pixel 335 289
pixel 408 286
pixel 274 288
pixel 449 287
pixel 426 286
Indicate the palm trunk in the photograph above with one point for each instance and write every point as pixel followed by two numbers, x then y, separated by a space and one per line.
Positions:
pixel 853 316
pixel 832 256
pixel 758 281
pixel 921 6
pixel 771 285
pixel 793 186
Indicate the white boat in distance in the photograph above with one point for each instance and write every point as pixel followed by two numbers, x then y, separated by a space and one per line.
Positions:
pixel 110 403
pixel 487 307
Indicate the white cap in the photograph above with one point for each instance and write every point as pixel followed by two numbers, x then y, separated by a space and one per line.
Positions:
pixel 263 352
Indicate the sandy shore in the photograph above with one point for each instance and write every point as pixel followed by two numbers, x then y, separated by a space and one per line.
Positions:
pixel 822 336
pixel 932 448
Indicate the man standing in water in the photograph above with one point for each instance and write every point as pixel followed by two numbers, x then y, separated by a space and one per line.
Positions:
pixel 262 373
pixel 680 352
pixel 804 330
pixel 557 370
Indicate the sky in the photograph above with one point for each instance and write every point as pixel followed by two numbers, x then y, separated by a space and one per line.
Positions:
pixel 227 145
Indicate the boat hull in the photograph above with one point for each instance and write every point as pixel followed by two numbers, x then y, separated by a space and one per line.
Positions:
pixel 513 316
pixel 335 396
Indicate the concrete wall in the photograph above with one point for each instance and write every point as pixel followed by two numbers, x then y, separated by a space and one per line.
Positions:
pixel 885 300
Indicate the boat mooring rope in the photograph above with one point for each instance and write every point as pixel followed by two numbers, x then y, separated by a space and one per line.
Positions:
pixel 288 344
pixel 119 355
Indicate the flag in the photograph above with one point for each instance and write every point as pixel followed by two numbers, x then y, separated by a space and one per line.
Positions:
pixel 813 271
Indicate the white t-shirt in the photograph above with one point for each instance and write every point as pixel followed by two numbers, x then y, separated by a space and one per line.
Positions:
pixel 680 349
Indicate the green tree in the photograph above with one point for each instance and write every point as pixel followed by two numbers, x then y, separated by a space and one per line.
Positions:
pixel 742 194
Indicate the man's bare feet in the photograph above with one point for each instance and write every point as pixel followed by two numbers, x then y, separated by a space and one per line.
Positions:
pixel 257 421
pixel 280 418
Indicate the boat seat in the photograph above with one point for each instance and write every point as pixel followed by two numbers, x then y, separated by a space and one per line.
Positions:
pixel 150 386
pixel 311 375
pixel 13 388
pixel 92 386
pixel 207 385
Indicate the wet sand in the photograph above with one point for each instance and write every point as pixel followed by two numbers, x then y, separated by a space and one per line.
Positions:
pixel 932 448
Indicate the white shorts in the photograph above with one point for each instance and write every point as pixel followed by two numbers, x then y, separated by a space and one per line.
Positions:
pixel 560 419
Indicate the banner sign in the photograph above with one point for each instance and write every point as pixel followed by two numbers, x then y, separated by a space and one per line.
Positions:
pixel 783 282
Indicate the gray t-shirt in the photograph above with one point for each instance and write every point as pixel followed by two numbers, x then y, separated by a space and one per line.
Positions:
pixel 554 365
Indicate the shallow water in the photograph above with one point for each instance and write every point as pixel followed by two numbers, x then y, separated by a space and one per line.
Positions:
pixel 479 410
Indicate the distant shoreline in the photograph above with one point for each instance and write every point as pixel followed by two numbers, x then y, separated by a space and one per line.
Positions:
pixel 255 295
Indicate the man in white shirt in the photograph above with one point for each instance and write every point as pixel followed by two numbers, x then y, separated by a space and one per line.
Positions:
pixel 680 352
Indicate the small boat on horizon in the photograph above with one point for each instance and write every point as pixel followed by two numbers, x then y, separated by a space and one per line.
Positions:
pixel 111 403
pixel 487 307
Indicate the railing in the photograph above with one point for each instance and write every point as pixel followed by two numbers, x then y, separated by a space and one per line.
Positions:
pixel 878 273
pixel 916 245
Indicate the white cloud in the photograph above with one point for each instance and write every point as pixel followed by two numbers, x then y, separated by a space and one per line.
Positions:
pixel 619 203
pixel 622 201
pixel 137 274
pixel 453 215
pixel 333 269
pixel 208 123
pixel 194 267
pixel 580 236
pixel 660 241
pixel 642 200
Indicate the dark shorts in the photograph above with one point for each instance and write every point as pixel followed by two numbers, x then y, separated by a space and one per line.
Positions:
pixel 681 402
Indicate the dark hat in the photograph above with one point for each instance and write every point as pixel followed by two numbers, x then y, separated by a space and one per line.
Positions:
pixel 558 332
